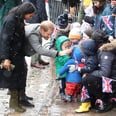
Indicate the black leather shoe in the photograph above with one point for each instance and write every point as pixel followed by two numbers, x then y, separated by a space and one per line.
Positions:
pixel 26 103
pixel 37 66
pixel 43 62
pixel 28 98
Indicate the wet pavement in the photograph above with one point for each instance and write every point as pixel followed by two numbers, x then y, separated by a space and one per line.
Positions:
pixel 41 85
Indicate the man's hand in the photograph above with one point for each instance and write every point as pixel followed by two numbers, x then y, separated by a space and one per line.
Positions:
pixel 66 52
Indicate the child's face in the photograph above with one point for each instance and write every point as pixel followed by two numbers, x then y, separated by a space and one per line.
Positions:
pixel 73 40
pixel 85 36
pixel 65 45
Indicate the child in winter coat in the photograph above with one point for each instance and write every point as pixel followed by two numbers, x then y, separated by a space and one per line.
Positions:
pixel 73 79
pixel 89 50
pixel 62 43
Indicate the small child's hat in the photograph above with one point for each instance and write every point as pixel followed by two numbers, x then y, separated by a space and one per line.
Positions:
pixel 75 33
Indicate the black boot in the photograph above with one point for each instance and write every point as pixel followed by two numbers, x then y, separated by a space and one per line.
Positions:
pixel 24 96
pixel 14 102
pixel 26 103
pixel 24 99
pixel 28 98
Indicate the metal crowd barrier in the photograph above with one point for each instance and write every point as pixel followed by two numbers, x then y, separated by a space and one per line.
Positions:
pixel 55 9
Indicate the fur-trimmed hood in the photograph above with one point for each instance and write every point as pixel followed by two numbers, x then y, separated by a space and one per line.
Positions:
pixel 109 46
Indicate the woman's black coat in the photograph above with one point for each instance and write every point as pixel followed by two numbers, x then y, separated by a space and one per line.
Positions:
pixel 11 47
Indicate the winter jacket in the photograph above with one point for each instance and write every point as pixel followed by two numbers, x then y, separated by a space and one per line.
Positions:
pixel 107 61
pixel 60 60
pixel 98 19
pixel 33 43
pixel 11 47
pixel 105 21
pixel 89 50
pixel 108 20
pixel 74 77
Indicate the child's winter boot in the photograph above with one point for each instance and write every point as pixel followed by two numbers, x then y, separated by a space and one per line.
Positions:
pixel 68 98
pixel 85 107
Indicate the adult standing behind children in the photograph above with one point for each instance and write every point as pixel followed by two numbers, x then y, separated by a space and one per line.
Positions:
pixel 11 52
pixel 72 5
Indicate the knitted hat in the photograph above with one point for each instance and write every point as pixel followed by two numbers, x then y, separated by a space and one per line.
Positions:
pixel 75 25
pixel 75 33
pixel 99 0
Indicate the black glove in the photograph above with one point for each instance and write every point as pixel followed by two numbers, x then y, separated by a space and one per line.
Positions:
pixel 89 19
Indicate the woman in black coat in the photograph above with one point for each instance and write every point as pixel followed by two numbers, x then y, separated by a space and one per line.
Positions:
pixel 98 93
pixel 11 52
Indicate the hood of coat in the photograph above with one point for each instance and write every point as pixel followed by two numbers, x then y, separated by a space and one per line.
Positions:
pixel 109 46
pixel 88 47
pixel 77 54
pixel 59 41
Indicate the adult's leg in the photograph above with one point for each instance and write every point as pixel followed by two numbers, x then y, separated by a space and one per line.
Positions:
pixel 14 101
pixel 73 7
pixel 103 99
pixel 35 61
pixel 23 98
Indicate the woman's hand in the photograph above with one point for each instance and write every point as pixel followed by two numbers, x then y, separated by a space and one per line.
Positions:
pixel 7 64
